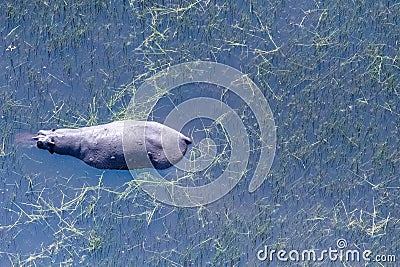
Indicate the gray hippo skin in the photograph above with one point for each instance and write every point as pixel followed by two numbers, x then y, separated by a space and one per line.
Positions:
pixel 118 145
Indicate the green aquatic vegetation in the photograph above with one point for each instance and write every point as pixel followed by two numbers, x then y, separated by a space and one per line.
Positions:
pixel 329 72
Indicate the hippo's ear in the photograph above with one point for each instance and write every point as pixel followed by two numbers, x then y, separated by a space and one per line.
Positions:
pixel 51 145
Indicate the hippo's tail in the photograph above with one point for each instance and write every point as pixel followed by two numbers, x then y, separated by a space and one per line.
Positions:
pixel 187 140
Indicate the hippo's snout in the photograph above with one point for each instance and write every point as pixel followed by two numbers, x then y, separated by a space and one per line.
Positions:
pixel 44 141
pixel 39 144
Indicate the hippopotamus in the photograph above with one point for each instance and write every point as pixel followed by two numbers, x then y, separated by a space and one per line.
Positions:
pixel 119 145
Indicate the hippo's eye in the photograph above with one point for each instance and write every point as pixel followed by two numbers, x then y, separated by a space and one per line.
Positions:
pixel 53 130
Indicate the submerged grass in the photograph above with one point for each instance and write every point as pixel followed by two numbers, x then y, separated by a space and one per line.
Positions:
pixel 328 71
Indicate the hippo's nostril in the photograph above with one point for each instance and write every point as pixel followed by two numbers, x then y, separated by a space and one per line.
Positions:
pixel 39 144
pixel 36 137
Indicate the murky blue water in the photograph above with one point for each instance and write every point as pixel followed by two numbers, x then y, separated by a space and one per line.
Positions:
pixel 329 70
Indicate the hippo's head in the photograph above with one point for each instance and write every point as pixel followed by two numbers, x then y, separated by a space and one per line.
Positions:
pixel 45 140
